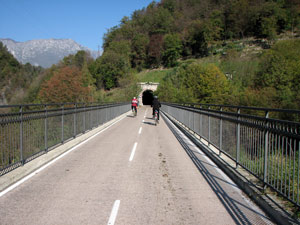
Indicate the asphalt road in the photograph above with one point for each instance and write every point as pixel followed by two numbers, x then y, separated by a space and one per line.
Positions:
pixel 132 173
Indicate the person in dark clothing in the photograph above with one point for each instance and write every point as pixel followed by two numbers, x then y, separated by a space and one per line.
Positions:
pixel 155 106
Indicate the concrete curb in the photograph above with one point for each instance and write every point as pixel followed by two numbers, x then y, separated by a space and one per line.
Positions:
pixel 17 174
pixel 256 195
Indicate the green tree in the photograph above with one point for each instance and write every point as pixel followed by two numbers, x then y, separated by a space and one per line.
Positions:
pixel 195 82
pixel 112 65
pixel 279 69
pixel 139 51
pixel 172 50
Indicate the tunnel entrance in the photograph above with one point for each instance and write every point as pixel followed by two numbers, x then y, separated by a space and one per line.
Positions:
pixel 147 97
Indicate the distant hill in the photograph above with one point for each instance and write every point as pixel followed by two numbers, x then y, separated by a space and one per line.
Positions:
pixel 43 52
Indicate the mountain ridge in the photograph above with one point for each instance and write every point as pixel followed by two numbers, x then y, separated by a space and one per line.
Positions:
pixel 43 52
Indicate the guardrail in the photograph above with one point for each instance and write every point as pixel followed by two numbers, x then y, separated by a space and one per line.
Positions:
pixel 27 131
pixel 266 147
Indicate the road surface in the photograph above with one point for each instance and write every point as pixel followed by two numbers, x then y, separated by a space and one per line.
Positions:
pixel 132 173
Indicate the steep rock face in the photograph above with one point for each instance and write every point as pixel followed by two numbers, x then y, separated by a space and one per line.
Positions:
pixel 43 52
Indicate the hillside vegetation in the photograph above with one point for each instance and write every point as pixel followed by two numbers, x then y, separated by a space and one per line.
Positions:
pixel 206 51
pixel 15 78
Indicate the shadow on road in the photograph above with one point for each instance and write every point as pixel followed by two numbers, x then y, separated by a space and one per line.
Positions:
pixel 149 123
pixel 131 116
pixel 224 189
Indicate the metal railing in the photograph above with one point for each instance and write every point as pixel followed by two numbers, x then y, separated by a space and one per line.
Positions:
pixel 27 131
pixel 264 145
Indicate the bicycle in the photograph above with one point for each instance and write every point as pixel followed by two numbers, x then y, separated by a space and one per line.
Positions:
pixel 156 117
pixel 134 112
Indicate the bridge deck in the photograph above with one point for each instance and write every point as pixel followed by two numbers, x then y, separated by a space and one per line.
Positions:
pixel 142 168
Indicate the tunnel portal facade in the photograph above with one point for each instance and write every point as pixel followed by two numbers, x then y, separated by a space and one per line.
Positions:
pixel 146 95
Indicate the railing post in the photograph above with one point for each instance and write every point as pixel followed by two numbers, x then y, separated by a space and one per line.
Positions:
pixel 238 140
pixel 46 128
pixel 266 147
pixel 221 132
pixel 21 135
pixel 62 124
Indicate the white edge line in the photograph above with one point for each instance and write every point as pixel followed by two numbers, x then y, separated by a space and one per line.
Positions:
pixel 114 213
pixel 52 161
pixel 140 130
pixel 133 151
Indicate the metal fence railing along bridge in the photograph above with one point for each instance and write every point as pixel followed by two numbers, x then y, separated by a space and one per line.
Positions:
pixel 27 131
pixel 257 139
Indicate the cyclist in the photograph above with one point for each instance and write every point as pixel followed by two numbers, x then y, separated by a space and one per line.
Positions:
pixel 155 105
pixel 134 104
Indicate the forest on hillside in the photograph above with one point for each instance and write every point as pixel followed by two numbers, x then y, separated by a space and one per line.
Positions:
pixel 164 32
pixel 217 51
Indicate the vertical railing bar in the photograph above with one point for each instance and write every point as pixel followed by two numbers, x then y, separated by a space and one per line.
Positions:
pixel 74 117
pixel 255 150
pixel 298 172
pixel 221 132
pixel 266 142
pixel 201 121
pixel 278 160
pixel 84 118
pixel 282 158
pixel 294 162
pixel 259 152
pixel 244 147
pixel 290 166
pixel 272 159
pixel 238 139
pixel 250 148
pixel 209 128
pixel 21 135
pixel 46 128
pixel 285 175
pixel 62 124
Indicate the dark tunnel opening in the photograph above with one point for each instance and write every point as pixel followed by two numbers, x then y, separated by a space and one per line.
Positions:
pixel 147 97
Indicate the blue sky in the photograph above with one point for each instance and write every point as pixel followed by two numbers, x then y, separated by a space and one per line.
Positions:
pixel 84 21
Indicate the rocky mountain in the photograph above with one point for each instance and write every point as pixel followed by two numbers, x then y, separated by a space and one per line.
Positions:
pixel 43 52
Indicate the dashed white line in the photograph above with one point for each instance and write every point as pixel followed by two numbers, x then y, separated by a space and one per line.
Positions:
pixel 114 213
pixel 140 130
pixel 133 151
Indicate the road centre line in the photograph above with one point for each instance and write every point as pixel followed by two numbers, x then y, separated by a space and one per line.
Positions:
pixel 114 213
pixel 140 130
pixel 133 151
pixel 53 161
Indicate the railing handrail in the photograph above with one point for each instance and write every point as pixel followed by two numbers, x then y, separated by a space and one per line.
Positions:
pixel 58 104
pixel 244 107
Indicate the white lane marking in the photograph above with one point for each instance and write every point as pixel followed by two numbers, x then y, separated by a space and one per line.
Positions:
pixel 133 151
pixel 140 130
pixel 53 161
pixel 114 213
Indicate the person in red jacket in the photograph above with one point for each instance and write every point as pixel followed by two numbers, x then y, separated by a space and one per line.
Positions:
pixel 134 104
